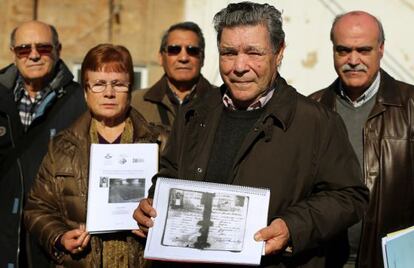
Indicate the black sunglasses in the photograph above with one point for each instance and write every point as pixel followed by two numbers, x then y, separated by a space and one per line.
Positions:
pixel 24 50
pixel 173 50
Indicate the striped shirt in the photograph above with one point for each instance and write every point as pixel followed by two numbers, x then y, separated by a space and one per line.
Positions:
pixel 259 103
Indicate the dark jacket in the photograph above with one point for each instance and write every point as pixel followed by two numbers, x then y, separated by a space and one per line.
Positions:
pixel 57 201
pixel 388 141
pixel 298 149
pixel 21 154
pixel 154 104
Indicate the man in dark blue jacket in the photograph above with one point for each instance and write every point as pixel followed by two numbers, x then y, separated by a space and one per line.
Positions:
pixel 38 98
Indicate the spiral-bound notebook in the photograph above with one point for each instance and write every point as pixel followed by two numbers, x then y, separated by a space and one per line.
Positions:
pixel 207 222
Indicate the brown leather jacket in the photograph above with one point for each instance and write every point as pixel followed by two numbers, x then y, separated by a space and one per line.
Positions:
pixel 57 200
pixel 388 140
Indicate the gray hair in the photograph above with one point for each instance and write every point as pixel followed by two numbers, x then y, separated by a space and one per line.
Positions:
pixel 248 13
pixel 55 36
pixel 381 34
pixel 184 26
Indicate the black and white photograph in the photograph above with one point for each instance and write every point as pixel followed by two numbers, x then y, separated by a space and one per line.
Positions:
pixel 130 190
pixel 205 220
pixel 103 182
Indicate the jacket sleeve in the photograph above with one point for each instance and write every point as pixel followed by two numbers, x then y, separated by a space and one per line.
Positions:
pixel 338 197
pixel 170 154
pixel 42 214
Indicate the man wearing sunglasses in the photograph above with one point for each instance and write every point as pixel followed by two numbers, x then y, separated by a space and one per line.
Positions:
pixel 181 54
pixel 38 98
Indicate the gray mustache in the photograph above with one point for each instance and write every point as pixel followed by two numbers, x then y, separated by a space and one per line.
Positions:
pixel 359 67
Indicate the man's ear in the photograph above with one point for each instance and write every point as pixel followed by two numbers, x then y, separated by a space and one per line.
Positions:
pixel 160 58
pixel 202 59
pixel 58 49
pixel 14 55
pixel 381 50
pixel 279 54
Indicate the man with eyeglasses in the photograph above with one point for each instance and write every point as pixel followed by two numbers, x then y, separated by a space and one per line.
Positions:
pixel 38 98
pixel 181 54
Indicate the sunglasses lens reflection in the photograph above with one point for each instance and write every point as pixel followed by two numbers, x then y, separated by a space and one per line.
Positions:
pixel 25 50
pixel 44 48
pixel 174 50
pixel 193 51
pixel 22 51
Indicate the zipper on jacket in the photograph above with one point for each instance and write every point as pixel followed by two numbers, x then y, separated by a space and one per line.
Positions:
pixel 20 212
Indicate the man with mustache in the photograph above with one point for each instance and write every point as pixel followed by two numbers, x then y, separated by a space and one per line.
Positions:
pixel 378 112
pixel 181 55
pixel 38 98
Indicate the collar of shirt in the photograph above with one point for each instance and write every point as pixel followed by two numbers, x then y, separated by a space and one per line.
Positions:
pixel 20 91
pixel 368 94
pixel 260 103
pixel 175 99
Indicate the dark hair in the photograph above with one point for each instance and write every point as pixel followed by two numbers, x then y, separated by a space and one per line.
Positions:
pixel 55 36
pixel 108 57
pixel 184 26
pixel 248 13
pixel 381 34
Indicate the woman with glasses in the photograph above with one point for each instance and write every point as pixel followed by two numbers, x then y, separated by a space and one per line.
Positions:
pixel 55 212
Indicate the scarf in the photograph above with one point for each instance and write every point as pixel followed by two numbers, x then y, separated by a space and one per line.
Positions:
pixel 115 246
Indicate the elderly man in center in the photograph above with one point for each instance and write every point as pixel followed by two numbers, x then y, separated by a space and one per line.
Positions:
pixel 181 54
pixel 258 131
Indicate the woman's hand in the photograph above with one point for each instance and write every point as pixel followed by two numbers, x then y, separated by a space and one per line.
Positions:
pixel 76 240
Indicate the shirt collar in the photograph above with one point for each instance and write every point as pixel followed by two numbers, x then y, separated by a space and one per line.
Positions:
pixel 175 99
pixel 20 89
pixel 366 96
pixel 259 103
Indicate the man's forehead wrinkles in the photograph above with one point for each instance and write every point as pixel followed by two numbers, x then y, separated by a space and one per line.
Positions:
pixel 247 47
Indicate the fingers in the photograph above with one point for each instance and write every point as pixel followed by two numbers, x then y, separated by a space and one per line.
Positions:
pixel 140 233
pixel 146 207
pixel 265 233
pixel 273 246
pixel 86 241
pixel 75 240
pixel 143 214
pixel 276 236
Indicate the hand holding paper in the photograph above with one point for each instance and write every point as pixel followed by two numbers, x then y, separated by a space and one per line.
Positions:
pixel 75 240
pixel 143 214
pixel 276 236
pixel 201 221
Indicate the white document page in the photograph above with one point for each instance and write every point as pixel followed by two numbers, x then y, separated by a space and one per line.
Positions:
pixel 207 222
pixel 119 177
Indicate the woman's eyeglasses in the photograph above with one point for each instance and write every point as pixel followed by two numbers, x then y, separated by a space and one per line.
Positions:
pixel 99 86
pixel 173 50
pixel 24 50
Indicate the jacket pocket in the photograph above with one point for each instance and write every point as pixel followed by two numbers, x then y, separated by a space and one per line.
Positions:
pixel 71 198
